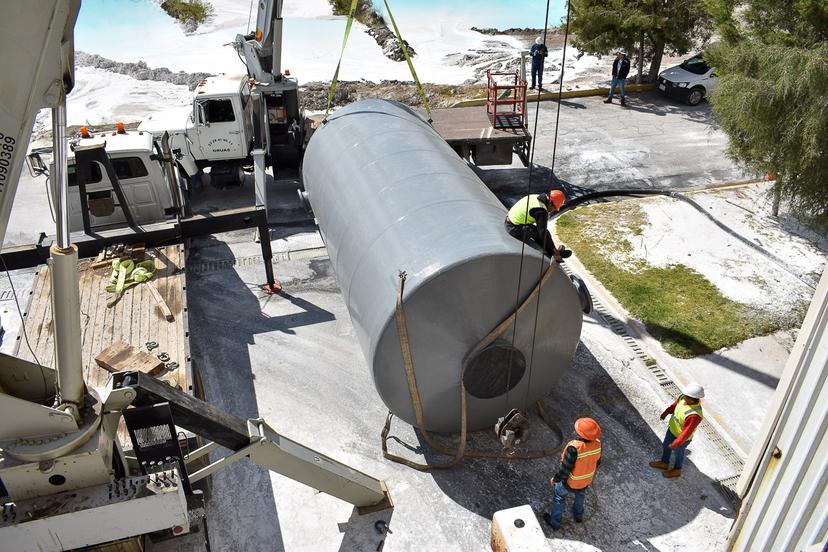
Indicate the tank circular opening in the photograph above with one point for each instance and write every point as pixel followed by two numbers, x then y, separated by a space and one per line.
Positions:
pixel 488 374
pixel 57 480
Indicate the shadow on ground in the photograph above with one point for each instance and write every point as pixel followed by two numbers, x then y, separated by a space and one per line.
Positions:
pixel 656 104
pixel 629 504
pixel 220 349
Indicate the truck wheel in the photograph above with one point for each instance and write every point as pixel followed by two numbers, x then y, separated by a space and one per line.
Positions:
pixel 583 293
pixel 696 96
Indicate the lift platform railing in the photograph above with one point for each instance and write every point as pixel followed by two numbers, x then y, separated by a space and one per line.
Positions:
pixel 506 99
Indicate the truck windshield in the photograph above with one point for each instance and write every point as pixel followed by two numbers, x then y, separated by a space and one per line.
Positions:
pixel 219 111
pixel 695 65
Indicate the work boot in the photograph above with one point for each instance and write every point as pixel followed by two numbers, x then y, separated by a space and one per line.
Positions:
pixel 659 465
pixel 623 103
pixel 547 517
pixel 608 100
pixel 671 473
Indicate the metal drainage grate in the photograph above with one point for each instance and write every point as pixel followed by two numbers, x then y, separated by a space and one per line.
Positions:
pixel 727 484
pixel 205 267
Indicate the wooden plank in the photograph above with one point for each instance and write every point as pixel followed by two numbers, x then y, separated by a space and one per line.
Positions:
pixel 175 284
pixel 162 304
pixel 35 321
pixel 117 354
pixel 146 363
pixel 121 356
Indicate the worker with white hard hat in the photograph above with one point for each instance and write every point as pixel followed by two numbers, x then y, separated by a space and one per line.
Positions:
pixel 538 53
pixel 685 416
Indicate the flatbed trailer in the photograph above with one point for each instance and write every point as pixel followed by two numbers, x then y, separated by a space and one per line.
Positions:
pixel 472 134
pixel 135 319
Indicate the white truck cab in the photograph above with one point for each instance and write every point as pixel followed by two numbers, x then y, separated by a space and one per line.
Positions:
pixel 215 131
pixel 689 82
pixel 133 157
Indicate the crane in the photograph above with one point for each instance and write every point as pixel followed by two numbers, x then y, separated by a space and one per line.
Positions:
pixel 278 123
pixel 65 481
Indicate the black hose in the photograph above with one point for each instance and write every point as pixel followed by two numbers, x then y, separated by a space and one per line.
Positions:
pixel 639 192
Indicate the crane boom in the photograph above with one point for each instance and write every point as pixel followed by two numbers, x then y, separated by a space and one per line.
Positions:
pixel 38 68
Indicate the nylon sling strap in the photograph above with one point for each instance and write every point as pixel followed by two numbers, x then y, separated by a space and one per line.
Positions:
pixel 332 87
pixel 416 402
pixel 420 90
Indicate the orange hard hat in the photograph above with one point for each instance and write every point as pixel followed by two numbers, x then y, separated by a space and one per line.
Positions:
pixel 557 198
pixel 587 428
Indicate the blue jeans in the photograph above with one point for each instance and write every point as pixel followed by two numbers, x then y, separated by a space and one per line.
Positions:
pixel 618 82
pixel 666 450
pixel 558 503
pixel 537 72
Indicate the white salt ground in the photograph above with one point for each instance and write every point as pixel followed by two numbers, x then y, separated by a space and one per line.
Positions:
pixel 678 234
pixel 311 44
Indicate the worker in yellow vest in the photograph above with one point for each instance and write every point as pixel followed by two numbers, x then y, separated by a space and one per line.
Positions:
pixel 685 416
pixel 579 461
pixel 528 218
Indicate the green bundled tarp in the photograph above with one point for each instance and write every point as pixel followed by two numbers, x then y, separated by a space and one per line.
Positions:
pixel 127 274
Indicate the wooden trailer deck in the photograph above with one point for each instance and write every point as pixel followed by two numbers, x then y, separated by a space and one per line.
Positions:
pixel 135 319
pixel 470 132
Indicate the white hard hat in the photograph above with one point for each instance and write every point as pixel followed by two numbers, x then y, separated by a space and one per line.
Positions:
pixel 539 40
pixel 621 51
pixel 694 391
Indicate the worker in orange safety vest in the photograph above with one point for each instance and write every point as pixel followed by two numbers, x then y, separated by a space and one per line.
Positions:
pixel 685 416
pixel 579 461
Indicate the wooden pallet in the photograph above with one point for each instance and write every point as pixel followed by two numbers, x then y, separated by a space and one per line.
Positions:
pixel 136 319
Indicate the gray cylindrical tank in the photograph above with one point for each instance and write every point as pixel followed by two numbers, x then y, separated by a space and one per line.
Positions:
pixel 390 195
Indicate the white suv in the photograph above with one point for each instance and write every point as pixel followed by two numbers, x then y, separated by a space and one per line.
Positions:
pixel 689 82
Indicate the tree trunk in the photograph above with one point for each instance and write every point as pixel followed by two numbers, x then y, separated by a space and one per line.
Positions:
pixel 655 65
pixel 640 61
pixel 777 196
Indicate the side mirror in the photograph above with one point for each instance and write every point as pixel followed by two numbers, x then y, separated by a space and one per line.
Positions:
pixel 201 114
pixel 713 75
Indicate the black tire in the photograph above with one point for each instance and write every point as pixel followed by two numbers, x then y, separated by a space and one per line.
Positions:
pixel 583 293
pixel 696 96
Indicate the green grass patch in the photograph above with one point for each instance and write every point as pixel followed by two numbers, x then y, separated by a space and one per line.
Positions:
pixel 187 10
pixel 679 306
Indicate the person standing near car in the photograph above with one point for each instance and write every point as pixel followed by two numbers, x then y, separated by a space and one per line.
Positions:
pixel 620 70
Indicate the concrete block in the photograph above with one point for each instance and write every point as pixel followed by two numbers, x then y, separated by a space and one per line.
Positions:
pixel 517 530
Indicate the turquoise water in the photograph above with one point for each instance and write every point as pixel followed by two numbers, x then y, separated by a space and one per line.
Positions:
pixel 501 14
pixel 106 19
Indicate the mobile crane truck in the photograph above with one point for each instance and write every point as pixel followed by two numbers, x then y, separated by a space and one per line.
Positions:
pixel 65 481
pixel 236 122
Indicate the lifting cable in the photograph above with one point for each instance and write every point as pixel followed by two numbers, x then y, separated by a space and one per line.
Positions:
pixel 348 25
pixel 525 232
pixel 332 87
pixel 554 152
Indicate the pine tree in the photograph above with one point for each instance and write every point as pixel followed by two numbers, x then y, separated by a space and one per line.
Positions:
pixel 647 28
pixel 772 96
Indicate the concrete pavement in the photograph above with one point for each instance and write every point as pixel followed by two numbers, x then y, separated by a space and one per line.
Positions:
pixel 294 360
pixel 654 142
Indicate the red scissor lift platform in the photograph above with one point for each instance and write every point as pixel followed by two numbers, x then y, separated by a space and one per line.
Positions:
pixel 506 100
